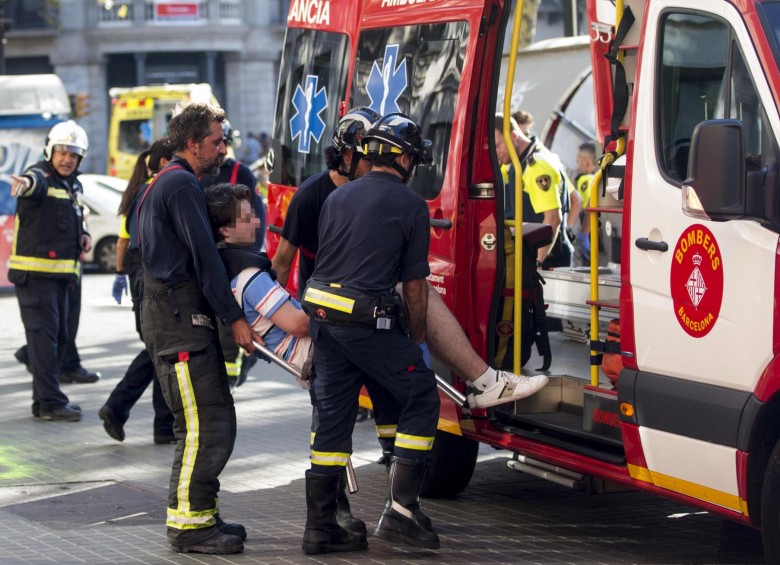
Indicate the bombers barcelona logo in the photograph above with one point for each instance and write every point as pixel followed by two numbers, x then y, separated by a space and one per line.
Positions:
pixel 697 281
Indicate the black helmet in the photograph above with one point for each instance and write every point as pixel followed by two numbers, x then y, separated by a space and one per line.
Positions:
pixel 397 134
pixel 349 135
pixel 351 129
pixel 227 132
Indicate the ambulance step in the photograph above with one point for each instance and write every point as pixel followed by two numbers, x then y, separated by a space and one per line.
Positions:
pixel 546 471
pixel 564 431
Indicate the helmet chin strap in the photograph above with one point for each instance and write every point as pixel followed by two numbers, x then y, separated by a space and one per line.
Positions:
pixel 406 174
pixel 352 168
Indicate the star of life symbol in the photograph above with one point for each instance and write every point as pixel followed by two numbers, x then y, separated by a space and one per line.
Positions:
pixel 309 104
pixel 385 85
pixel 696 285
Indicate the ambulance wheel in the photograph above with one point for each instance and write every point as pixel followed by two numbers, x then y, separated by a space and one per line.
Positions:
pixel 454 458
pixel 105 255
pixel 770 508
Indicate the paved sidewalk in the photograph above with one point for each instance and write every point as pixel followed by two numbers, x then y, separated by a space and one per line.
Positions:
pixel 70 494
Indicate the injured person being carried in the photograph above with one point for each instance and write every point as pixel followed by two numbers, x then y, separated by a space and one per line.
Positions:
pixel 268 307
pixel 284 326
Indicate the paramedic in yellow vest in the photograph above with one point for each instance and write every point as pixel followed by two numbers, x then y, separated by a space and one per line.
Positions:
pixel 49 239
pixel 542 184
pixel 586 167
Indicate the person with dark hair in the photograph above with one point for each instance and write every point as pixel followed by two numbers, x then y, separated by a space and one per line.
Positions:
pixel 234 172
pixel 447 341
pixel 525 122
pixel 185 287
pixel 587 165
pixel 116 411
pixel 374 233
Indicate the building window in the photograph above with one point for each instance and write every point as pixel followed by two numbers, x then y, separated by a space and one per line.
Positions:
pixel 31 14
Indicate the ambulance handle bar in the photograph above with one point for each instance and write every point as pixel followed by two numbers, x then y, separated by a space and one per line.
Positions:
pixel 441 223
pixel 650 245
pixel 273 228
pixel 352 484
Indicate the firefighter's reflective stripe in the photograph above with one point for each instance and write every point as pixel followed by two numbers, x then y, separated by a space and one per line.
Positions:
pixel 190 520
pixel 311 440
pixel 329 459
pixel 182 517
pixel 419 443
pixel 329 300
pixel 386 430
pixel 58 193
pixel 42 265
pixel 233 368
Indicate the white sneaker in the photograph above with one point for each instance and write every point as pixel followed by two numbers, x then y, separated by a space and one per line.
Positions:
pixel 508 387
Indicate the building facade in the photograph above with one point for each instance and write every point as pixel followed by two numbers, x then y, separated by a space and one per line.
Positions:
pixel 94 45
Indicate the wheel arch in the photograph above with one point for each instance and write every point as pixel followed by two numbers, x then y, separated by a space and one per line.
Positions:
pixel 762 437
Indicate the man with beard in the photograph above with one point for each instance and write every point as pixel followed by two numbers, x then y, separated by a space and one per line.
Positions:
pixel 185 286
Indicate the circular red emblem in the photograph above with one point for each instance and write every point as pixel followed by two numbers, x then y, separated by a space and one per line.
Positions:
pixel 697 281
pixel 504 328
pixel 321 313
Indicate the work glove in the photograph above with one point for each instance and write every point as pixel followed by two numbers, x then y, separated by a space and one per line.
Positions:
pixel 120 286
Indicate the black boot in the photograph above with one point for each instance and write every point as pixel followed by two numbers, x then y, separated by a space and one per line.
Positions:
pixel 343 512
pixel 402 519
pixel 218 543
pixel 229 528
pixel 323 533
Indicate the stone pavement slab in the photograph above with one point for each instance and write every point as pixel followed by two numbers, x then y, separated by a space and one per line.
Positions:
pixel 70 494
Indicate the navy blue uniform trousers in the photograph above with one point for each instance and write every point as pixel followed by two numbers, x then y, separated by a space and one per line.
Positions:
pixel 345 358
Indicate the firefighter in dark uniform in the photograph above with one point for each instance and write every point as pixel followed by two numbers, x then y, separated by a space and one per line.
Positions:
pixel 235 172
pixel 44 263
pixel 374 232
pixel 185 284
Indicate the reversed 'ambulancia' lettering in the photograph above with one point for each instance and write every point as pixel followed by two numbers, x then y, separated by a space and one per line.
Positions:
pixel 310 11
pixel 394 3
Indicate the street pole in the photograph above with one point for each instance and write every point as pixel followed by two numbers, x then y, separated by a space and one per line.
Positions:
pixel 5 25
pixel 569 18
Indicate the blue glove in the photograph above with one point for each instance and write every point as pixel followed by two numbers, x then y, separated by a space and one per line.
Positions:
pixel 120 286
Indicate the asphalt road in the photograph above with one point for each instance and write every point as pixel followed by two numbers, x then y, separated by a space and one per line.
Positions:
pixel 71 494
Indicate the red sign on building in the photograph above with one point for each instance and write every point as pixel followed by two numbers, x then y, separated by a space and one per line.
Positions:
pixel 173 10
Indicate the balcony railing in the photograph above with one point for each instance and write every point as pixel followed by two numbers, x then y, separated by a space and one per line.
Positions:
pixel 116 12
pixel 30 14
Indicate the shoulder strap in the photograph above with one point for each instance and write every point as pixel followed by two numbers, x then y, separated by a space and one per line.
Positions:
pixel 146 193
pixel 234 173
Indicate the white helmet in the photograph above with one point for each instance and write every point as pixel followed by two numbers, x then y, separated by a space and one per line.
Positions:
pixel 69 134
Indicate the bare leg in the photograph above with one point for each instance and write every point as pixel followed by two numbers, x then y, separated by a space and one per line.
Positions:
pixel 448 343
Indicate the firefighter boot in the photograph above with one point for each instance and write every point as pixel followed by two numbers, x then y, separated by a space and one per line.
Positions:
pixel 323 533
pixel 230 528
pixel 402 519
pixel 421 518
pixel 343 512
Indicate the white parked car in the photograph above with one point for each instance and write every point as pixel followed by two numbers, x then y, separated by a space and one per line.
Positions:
pixel 101 198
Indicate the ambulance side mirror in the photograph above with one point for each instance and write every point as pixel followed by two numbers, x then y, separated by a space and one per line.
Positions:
pixel 716 185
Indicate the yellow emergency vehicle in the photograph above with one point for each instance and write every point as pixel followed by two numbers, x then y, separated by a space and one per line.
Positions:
pixel 140 115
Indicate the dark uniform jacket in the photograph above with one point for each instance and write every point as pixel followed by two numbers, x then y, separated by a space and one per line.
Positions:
pixel 48 226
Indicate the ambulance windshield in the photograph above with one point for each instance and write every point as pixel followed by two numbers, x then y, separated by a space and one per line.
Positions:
pixel 312 81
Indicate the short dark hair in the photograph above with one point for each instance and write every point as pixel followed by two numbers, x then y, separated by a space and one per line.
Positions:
pixel 222 203
pixel 192 122
pixel 522 117
pixel 499 121
pixel 590 148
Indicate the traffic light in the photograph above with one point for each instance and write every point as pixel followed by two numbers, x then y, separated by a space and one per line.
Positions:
pixel 80 103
